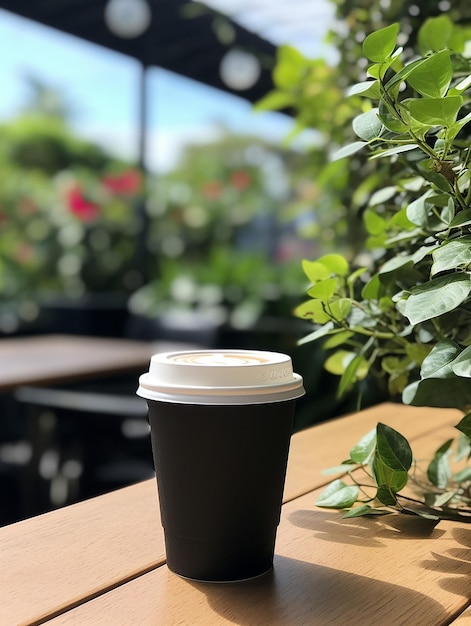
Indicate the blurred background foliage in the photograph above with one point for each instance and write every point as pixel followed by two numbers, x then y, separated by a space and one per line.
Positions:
pixel 226 223
pixel 225 226
pixel 226 229
pixel 314 91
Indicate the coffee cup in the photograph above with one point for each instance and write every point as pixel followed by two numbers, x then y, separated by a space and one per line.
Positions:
pixel 221 423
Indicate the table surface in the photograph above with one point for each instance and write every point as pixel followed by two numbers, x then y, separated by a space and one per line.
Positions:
pixel 56 359
pixel 103 562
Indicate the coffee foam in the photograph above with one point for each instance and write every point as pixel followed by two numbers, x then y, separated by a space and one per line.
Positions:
pixel 219 358
pixel 220 377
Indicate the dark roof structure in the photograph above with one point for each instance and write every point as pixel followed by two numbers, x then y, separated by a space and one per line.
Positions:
pixel 183 37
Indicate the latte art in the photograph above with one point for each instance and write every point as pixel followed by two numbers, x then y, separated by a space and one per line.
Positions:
pixel 219 358
pixel 223 377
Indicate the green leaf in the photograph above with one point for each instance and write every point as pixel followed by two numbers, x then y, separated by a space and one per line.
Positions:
pixel 461 366
pixel 367 125
pixel 463 450
pixel 290 67
pixel 382 195
pixel 432 78
pixel 368 88
pixel 365 509
pixel 346 151
pixel 438 470
pixel 315 271
pixel 312 310
pixel 338 362
pixel 386 495
pixel 336 263
pixel 452 255
pixel 390 118
pixel 340 309
pixel 338 469
pixel 464 425
pixel 423 513
pixel 361 452
pixel 338 495
pixel 436 111
pixel 437 364
pixel 274 100
pixel 394 264
pixel 440 499
pixel 337 339
pixel 323 289
pixel 403 74
pixel 455 128
pixel 356 370
pixel 317 334
pixel 463 476
pixel 374 223
pixel 397 150
pixel 417 352
pixel 463 181
pixel 436 297
pixel 351 280
pixel 439 392
pixel 419 211
pixel 462 85
pixel 435 34
pixel 379 45
pixel 376 70
pixel 389 481
pixel 393 448
pixel 371 291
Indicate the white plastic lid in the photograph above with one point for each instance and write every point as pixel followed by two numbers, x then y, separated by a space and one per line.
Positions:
pixel 220 377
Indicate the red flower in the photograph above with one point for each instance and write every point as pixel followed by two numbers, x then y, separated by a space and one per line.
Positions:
pixel 127 183
pixel 240 180
pixel 79 206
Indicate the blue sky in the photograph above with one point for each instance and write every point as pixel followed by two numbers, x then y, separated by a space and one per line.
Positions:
pixel 101 87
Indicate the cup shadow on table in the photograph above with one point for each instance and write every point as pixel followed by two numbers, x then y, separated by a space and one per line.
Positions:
pixel 296 592
pixel 370 532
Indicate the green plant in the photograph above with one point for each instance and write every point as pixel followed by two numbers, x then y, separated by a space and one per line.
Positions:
pixel 68 225
pixel 222 234
pixel 403 316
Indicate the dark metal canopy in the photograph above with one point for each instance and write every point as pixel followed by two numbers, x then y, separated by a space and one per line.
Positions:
pixel 178 38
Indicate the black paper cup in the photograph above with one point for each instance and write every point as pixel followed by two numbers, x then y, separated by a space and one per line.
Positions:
pixel 220 460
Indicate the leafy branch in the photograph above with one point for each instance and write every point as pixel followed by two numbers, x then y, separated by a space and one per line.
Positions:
pixel 403 314
pixel 385 457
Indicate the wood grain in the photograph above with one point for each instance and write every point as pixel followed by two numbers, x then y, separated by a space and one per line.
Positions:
pixel 64 558
pixel 327 571
pixel 55 560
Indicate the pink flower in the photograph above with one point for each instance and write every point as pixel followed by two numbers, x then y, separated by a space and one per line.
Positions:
pixel 127 183
pixel 80 206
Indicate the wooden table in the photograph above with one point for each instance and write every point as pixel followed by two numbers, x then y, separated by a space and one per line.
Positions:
pixel 102 562
pixel 57 359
